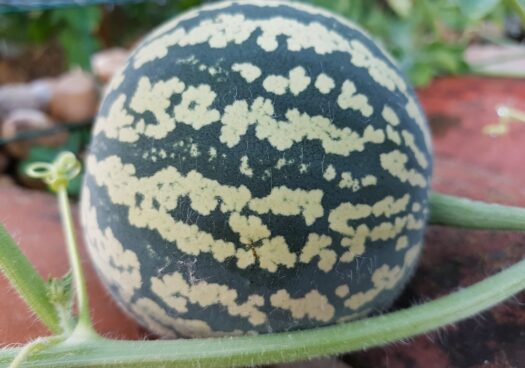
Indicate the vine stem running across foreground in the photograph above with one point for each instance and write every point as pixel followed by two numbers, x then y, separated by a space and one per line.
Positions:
pixel 82 347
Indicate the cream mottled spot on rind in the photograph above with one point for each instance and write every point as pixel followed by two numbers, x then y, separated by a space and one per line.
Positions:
pixel 324 83
pixel 317 245
pixel 245 258
pixel 156 99
pixel 303 168
pixel 356 237
pixel 176 292
pixel 274 252
pixel 285 201
pixel 119 267
pixel 271 253
pixel 275 84
pixel 390 115
pixel 392 135
pixel 402 242
pixel 298 126
pixel 387 206
pixel 395 163
pixel 155 318
pixel 347 181
pixel 238 116
pixel 368 180
pixel 415 112
pixel 235 28
pixel 250 228
pixel 165 188
pixel 355 245
pixel 116 80
pixel 194 108
pixel 410 142
pixel 313 305
pixel 118 124
pixel 282 162
pixel 248 71
pixel 330 173
pixel 414 223
pixel 342 291
pixel 212 152
pixel 297 81
pixel 194 150
pixel 170 25
pixel 350 99
pixel 384 278
pixel 338 220
pixel 245 168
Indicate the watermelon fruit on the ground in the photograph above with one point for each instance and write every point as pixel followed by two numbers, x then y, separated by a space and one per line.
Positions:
pixel 256 167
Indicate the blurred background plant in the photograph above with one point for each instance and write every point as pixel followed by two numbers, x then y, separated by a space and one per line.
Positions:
pixel 427 37
pixel 39 39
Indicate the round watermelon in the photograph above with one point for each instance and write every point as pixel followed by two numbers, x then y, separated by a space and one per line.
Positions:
pixel 256 167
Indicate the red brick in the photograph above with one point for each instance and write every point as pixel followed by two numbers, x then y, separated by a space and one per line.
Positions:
pixel 33 219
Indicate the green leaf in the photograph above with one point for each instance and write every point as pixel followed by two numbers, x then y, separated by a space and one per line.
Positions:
pixel 401 7
pixel 477 9
pixel 421 74
pixel 76 27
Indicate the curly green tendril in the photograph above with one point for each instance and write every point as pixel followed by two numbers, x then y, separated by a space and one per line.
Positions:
pixel 57 174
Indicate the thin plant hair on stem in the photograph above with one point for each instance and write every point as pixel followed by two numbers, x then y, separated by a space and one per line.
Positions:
pixel 26 281
pixel 284 347
pixel 83 347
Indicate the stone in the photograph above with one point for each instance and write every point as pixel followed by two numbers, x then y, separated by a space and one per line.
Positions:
pixel 75 98
pixel 105 63
pixel 27 120
pixel 34 96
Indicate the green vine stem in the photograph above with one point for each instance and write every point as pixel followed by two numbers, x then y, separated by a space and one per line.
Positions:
pixel 57 176
pixel 34 347
pixel 26 280
pixel 283 347
pixel 84 348
pixel 461 212
pixel 84 320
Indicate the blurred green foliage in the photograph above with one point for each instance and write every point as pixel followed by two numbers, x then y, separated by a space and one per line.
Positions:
pixel 78 29
pixel 73 28
pixel 427 37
